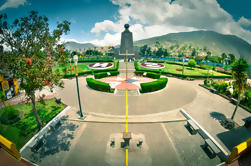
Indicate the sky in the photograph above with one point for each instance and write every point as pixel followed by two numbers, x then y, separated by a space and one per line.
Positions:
pixel 101 21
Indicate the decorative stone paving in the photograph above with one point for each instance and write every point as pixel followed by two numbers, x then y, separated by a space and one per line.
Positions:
pixel 120 82
pixel 150 65
pixel 100 65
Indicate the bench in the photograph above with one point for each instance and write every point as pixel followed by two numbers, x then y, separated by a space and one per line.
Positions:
pixel 215 150
pixel 192 126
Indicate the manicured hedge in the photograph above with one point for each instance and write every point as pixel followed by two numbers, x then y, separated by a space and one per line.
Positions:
pixel 93 60
pixel 80 74
pixel 105 74
pixel 149 74
pixel 98 85
pixel 153 86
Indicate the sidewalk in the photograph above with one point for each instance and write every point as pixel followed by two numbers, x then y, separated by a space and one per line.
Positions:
pixel 21 98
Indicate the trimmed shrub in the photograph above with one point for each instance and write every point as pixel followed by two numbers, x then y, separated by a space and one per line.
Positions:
pixel 105 74
pixel 80 73
pixel 153 75
pixel 153 86
pixel 9 115
pixel 98 85
pixel 148 74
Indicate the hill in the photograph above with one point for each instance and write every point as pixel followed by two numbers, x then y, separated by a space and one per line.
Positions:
pixel 213 41
pixel 77 46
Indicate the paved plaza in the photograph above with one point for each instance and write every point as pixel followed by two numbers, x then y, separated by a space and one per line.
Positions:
pixel 154 117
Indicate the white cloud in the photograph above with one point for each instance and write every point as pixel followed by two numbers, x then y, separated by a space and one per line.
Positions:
pixel 12 4
pixel 159 17
pixel 244 22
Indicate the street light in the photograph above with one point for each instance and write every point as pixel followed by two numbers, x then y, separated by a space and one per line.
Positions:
pixel 70 66
pixel 75 58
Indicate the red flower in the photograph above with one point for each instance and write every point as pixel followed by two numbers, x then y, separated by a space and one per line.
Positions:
pixel 61 50
pixel 28 61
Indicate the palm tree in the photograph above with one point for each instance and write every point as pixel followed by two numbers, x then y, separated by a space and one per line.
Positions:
pixel 239 67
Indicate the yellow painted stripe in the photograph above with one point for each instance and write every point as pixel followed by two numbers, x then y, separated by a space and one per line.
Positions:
pixel 126 157
pixel 126 110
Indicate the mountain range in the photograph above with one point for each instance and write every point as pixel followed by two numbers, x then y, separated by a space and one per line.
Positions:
pixel 71 45
pixel 215 42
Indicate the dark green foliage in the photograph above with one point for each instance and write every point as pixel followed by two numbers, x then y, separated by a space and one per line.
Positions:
pixel 2 96
pixel 148 74
pixel 93 60
pixel 247 98
pixel 9 115
pixel 80 74
pixel 98 85
pixel 156 61
pixel 206 82
pixel 153 86
pixel 105 74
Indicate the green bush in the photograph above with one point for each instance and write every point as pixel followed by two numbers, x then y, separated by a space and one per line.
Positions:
pixel 221 87
pixel 9 115
pixel 153 86
pixel 98 85
pixel 149 74
pixel 153 75
pixel 105 74
pixel 247 98
pixel 79 74
pixel 2 96
pixel 192 63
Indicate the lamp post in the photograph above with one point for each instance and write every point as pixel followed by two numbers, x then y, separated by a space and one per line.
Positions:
pixel 75 58
pixel 70 67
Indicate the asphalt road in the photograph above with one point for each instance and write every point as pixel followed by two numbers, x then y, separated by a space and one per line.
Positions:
pixel 82 143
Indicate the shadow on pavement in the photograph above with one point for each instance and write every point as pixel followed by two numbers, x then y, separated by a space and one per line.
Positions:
pixel 218 116
pixel 56 140
pixel 234 137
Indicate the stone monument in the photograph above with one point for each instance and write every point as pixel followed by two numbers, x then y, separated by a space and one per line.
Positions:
pixel 126 41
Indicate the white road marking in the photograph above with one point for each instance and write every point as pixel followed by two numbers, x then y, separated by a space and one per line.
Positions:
pixel 172 143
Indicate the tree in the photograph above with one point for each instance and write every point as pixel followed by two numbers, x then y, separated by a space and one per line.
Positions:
pixel 34 53
pixel 192 63
pixel 232 58
pixel 142 51
pixel 239 68
pixel 194 53
pixel 223 57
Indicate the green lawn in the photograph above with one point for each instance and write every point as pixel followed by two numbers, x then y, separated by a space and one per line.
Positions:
pixel 188 71
pixel 22 130
pixel 81 67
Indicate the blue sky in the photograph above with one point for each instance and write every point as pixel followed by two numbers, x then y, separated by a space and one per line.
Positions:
pixel 101 21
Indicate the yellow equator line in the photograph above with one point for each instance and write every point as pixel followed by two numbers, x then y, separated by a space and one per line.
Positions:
pixel 126 124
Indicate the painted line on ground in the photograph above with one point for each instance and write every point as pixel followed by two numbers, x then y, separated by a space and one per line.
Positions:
pixel 121 122
pixel 172 143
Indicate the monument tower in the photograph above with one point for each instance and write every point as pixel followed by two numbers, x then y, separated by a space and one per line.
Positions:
pixel 126 43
